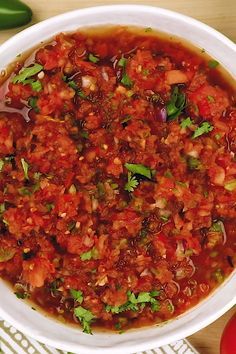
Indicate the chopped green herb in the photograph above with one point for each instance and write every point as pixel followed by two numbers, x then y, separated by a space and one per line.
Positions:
pixel 126 81
pixel 85 317
pixel 1 164
pixel 155 305
pixel 214 254
pixel 218 275
pixel 176 104
pixel 25 167
pixel 145 72
pixel 33 103
pixel 212 64
pixel 117 326
pixel 100 189
pixel 73 85
pixel 24 191
pixel 210 98
pixel 139 169
pixel 25 73
pixel 81 94
pixel 204 128
pixel 2 208
pixel 50 207
pixel 126 118
pixel 37 175
pixel 93 59
pixel 114 185
pixel 131 184
pixel 231 185
pixel 218 136
pixel 193 163
pixel 20 295
pixel 164 218
pixel 86 256
pixel 168 174
pixel 84 134
pixel 216 227
pixel 36 85
pixel 148 29
pixel 135 303
pixel 170 307
pixel 182 184
pixel 186 123
pixel 77 295
pixel 122 62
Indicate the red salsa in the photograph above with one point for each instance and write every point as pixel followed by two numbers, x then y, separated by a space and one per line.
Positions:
pixel 117 178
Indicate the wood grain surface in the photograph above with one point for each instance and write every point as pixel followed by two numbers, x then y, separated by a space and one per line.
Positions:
pixel 221 15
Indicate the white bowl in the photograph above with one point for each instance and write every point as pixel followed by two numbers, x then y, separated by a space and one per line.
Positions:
pixel 49 331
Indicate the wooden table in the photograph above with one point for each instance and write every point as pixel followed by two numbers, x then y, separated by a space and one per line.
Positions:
pixel 220 14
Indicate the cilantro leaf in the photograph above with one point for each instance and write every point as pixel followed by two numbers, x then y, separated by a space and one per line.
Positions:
pixel 92 254
pixel 84 134
pixel 33 103
pixel 212 64
pixel 193 163
pixel 22 295
pixel 135 303
pixel 126 80
pixel 204 128
pixel 139 169
pixel 25 167
pixel 122 62
pixel 144 297
pixel 77 295
pixel 75 87
pixel 216 227
pixel 50 207
pixel 85 317
pixel 24 191
pixel 36 85
pixel 93 59
pixel 186 123
pixel 86 256
pixel 131 184
pixel 25 73
pixel 176 104
pixel 2 208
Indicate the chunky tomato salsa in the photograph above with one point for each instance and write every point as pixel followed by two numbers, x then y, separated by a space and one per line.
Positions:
pixel 117 178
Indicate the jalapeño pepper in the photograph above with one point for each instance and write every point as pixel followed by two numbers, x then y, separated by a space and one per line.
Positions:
pixel 14 13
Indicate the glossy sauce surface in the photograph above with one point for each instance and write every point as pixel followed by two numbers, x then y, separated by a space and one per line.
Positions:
pixel 118 178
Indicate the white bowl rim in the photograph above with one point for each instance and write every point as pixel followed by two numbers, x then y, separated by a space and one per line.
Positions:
pixel 183 331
